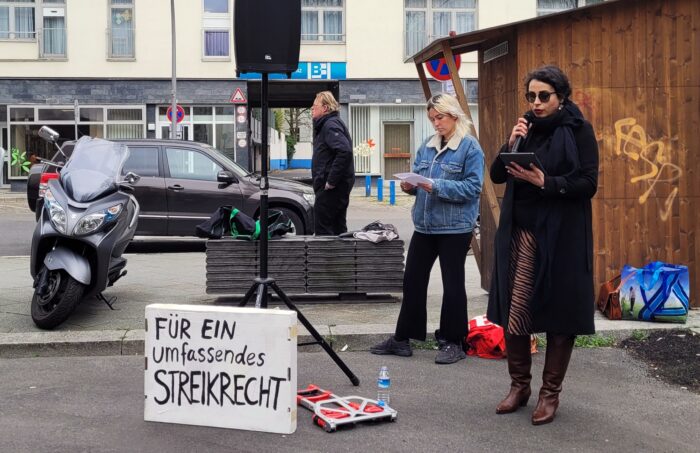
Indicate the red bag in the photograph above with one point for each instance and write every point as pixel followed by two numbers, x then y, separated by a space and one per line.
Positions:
pixel 485 339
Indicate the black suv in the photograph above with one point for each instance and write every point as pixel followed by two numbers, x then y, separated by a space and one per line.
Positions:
pixel 183 183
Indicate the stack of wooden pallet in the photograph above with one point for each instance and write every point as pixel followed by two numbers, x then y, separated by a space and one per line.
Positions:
pixel 307 265
pixel 232 265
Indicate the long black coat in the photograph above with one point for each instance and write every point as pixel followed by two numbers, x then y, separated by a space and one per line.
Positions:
pixel 563 296
pixel 332 160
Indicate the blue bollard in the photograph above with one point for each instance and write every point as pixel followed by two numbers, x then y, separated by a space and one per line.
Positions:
pixel 392 192
pixel 380 189
pixel 368 186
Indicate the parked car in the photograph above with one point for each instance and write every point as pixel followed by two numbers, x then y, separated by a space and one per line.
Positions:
pixel 182 183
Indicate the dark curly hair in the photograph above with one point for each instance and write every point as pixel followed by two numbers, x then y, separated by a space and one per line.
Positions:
pixel 551 75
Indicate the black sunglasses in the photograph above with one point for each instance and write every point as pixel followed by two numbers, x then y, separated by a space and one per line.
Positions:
pixel 543 95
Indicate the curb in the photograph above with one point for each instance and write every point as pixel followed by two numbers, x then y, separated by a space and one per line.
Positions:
pixel 131 342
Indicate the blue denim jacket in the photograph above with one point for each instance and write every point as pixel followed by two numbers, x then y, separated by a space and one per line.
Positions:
pixel 453 205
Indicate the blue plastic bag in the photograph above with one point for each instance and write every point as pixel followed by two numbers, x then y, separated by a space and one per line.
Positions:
pixel 656 292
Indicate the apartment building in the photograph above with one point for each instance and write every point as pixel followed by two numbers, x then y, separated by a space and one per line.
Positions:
pixel 103 68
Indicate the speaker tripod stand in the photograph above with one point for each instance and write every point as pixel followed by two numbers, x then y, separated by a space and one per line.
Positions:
pixel 263 283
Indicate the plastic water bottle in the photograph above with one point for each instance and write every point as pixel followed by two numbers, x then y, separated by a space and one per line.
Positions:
pixel 383 385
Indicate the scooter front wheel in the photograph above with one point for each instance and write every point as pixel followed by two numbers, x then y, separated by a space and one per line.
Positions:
pixel 58 301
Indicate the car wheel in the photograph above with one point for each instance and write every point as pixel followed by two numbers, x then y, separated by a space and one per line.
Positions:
pixel 297 223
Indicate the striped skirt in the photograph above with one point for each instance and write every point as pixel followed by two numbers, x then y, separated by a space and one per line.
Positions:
pixel 522 278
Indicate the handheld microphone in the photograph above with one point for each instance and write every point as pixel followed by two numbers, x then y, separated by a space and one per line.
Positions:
pixel 528 117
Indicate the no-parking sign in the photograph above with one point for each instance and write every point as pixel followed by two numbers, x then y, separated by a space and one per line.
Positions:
pixel 439 69
pixel 180 113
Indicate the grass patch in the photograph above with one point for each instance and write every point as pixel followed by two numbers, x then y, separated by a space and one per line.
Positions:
pixel 594 341
pixel 429 344
pixel 639 335
pixel 541 341
pixel 584 341
pixel 330 338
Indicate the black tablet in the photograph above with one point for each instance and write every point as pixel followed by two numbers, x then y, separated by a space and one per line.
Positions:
pixel 522 159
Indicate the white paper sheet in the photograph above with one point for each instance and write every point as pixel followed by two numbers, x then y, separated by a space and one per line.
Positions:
pixel 413 178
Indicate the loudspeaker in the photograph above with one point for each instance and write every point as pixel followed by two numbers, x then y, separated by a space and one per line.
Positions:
pixel 267 35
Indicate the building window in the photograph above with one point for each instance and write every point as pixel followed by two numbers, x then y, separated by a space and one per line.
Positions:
pixel 554 6
pixel 111 122
pixel 213 125
pixel 428 20
pixel 322 20
pixel 123 122
pixel 216 43
pixel 53 33
pixel 216 30
pixel 215 6
pixel 17 19
pixel 121 29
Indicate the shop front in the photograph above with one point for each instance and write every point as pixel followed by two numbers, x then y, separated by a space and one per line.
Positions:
pixel 211 124
pixel 115 109
pixel 24 145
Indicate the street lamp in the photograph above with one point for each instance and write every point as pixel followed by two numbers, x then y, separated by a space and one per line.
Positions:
pixel 173 90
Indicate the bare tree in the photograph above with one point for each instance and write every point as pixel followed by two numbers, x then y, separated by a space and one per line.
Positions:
pixel 291 121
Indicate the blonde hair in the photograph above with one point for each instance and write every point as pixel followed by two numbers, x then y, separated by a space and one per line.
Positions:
pixel 326 98
pixel 449 105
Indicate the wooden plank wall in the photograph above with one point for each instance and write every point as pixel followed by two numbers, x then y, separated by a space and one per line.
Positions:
pixel 498 106
pixel 635 71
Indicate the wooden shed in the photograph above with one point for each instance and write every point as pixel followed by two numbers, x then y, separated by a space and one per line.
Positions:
pixel 634 66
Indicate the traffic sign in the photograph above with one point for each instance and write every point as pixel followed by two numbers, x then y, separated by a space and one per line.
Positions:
pixel 180 113
pixel 439 69
pixel 238 97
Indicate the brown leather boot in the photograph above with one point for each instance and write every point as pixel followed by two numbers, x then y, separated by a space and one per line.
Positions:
pixel 519 362
pixel 556 361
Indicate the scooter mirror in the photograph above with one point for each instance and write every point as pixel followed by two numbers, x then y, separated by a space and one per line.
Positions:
pixel 48 134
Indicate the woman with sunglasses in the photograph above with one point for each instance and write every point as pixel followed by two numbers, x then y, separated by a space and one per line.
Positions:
pixel 542 279
pixel 444 215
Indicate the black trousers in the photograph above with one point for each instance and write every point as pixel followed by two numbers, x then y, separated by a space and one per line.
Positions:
pixel 424 249
pixel 331 210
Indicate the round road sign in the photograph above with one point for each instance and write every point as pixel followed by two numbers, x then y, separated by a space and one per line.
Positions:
pixel 180 113
pixel 439 69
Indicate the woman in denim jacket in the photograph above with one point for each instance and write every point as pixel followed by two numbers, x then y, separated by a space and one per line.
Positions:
pixel 444 216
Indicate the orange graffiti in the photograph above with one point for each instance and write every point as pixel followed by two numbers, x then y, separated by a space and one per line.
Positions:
pixel 631 140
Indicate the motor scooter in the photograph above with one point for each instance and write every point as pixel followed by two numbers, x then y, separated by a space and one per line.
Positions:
pixel 88 219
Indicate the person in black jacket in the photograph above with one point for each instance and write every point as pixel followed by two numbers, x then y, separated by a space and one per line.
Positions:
pixel 332 166
pixel 543 262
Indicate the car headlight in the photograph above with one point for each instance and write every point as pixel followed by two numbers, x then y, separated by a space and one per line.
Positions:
pixel 91 222
pixel 309 197
pixel 56 213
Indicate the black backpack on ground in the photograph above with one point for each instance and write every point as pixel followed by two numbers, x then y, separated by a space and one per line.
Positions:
pixel 229 221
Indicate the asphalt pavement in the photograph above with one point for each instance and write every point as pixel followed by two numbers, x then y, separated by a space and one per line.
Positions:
pixel 608 404
pixel 79 387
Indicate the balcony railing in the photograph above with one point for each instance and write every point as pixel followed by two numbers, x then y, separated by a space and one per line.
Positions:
pixel 323 37
pixel 18 35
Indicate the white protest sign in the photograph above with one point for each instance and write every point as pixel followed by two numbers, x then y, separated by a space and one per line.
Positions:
pixel 226 367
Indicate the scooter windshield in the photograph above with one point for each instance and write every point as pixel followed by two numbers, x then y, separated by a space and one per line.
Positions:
pixel 93 169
